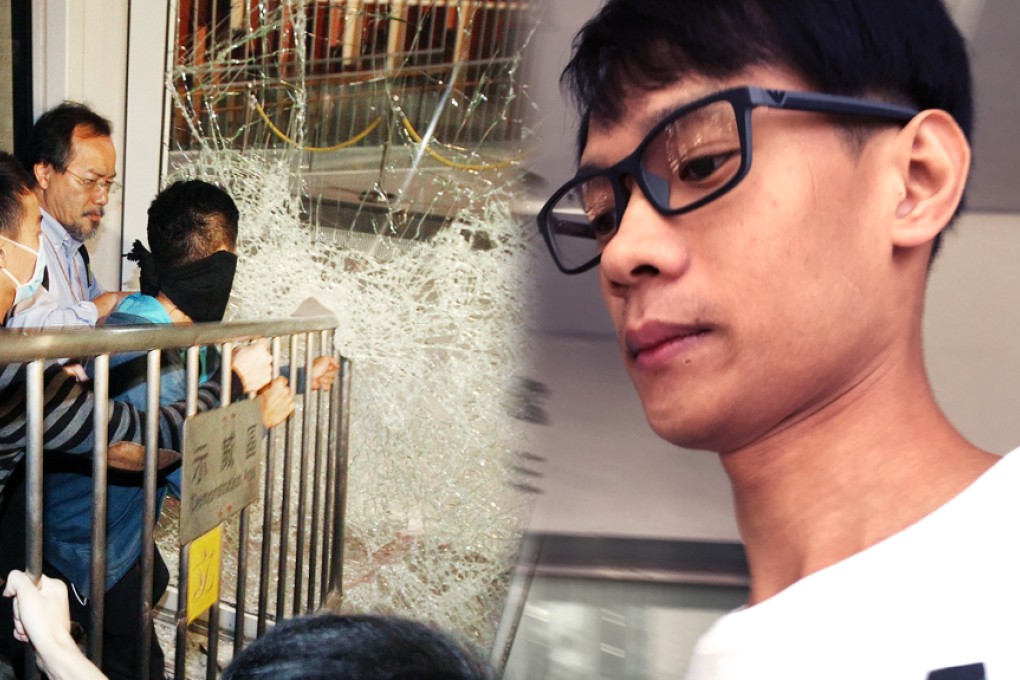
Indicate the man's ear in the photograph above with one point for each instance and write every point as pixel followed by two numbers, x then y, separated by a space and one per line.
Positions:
pixel 42 172
pixel 935 161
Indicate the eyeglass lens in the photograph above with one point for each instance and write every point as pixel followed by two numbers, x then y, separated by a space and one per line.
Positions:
pixel 694 156
pixel 95 185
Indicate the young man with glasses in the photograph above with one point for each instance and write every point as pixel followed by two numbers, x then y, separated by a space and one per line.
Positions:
pixel 762 186
pixel 73 165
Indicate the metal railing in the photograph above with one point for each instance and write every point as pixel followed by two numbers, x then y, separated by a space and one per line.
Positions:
pixel 314 448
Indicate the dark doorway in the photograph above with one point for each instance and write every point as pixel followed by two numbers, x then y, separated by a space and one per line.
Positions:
pixel 21 72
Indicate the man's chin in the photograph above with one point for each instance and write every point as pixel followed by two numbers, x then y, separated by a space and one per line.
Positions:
pixel 708 434
pixel 678 431
pixel 698 431
pixel 83 231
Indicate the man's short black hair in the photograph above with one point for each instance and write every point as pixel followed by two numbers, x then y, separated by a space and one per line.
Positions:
pixel 191 220
pixel 907 50
pixel 14 184
pixel 355 647
pixel 50 141
pixel 904 51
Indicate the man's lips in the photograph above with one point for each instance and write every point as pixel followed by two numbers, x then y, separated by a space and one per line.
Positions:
pixel 655 341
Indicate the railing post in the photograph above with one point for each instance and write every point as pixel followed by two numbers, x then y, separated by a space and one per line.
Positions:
pixel 213 628
pixel 336 574
pixel 181 650
pixel 97 582
pixel 288 452
pixel 331 475
pixel 241 594
pixel 317 525
pixel 268 498
pixel 34 418
pixel 152 386
pixel 302 507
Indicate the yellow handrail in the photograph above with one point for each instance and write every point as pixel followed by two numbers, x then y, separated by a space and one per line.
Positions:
pixel 412 133
pixel 316 149
pixel 454 164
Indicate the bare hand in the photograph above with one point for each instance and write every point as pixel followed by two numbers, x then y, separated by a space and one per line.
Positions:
pixel 42 618
pixel 76 371
pixel 324 370
pixel 277 402
pixel 41 613
pixel 253 364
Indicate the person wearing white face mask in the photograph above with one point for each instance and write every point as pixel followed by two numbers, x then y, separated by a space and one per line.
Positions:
pixel 23 291
pixel 15 255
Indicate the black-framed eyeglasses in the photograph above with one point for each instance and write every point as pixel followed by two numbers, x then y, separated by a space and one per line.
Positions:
pixel 94 186
pixel 695 155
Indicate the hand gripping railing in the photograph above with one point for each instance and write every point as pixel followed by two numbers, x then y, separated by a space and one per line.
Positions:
pixel 316 570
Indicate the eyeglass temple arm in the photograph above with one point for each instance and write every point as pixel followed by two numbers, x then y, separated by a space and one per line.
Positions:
pixel 830 103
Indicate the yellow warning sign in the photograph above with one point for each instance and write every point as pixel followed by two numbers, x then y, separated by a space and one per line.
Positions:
pixel 204 572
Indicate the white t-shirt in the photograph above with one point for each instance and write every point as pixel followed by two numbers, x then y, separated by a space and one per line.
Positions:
pixel 942 593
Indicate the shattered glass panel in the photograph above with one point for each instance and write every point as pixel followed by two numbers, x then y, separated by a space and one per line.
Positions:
pixel 373 149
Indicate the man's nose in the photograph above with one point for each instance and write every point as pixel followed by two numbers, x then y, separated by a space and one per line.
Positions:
pixel 101 196
pixel 645 244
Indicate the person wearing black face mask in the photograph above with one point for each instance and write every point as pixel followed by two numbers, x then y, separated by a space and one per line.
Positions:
pixel 199 291
pixel 192 229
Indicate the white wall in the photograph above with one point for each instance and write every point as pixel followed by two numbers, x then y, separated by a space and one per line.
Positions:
pixel 147 118
pixel 972 329
pixel 80 52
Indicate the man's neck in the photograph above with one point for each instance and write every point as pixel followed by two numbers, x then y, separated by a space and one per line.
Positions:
pixel 867 465
pixel 53 228
pixel 175 314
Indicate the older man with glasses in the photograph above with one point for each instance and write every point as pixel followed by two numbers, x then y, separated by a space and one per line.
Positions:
pixel 73 165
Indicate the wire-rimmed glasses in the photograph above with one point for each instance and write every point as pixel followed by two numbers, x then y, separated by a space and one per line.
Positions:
pixel 93 185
